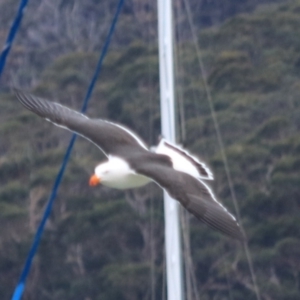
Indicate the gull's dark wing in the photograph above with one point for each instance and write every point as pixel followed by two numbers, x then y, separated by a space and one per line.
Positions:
pixel 111 138
pixel 193 194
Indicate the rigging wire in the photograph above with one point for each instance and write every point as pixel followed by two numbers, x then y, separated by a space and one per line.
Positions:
pixel 191 285
pixel 190 276
pixel 181 136
pixel 186 253
pixel 152 259
pixel 221 145
pixel 228 282
pixel 164 274
pixel 21 284
pixel 150 140
pixel 12 33
pixel 179 93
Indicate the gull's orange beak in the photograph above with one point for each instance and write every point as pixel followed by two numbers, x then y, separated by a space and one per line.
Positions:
pixel 94 180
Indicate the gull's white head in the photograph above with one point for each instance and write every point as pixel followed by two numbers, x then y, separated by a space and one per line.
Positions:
pixel 110 172
pixel 102 174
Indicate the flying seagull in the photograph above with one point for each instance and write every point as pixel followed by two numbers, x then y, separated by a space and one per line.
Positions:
pixel 131 164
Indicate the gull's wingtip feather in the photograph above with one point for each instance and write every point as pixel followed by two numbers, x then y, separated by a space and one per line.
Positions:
pixel 18 92
pixel 24 98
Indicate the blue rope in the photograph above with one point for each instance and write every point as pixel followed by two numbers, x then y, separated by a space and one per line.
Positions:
pixel 21 284
pixel 11 35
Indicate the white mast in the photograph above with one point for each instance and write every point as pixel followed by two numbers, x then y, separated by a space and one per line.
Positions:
pixel 172 228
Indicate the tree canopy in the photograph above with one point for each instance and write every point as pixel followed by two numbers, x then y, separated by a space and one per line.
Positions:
pixel 108 244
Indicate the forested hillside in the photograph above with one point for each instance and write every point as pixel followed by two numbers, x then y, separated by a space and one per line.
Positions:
pixel 102 243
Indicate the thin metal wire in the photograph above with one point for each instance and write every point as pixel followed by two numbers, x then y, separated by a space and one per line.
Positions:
pixel 228 282
pixel 221 145
pixel 152 262
pixel 179 85
pixel 12 33
pixel 164 286
pixel 181 133
pixel 190 278
pixel 192 286
pixel 150 139
pixel 21 284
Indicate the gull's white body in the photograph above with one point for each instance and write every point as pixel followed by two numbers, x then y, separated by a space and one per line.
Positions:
pixel 116 173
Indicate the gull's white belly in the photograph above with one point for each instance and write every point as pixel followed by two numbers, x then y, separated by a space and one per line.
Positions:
pixel 116 173
pixel 126 181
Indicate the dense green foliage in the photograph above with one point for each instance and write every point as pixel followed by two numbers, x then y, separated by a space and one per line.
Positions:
pixel 106 244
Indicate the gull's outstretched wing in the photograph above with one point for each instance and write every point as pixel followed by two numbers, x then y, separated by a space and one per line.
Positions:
pixel 111 138
pixel 193 194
